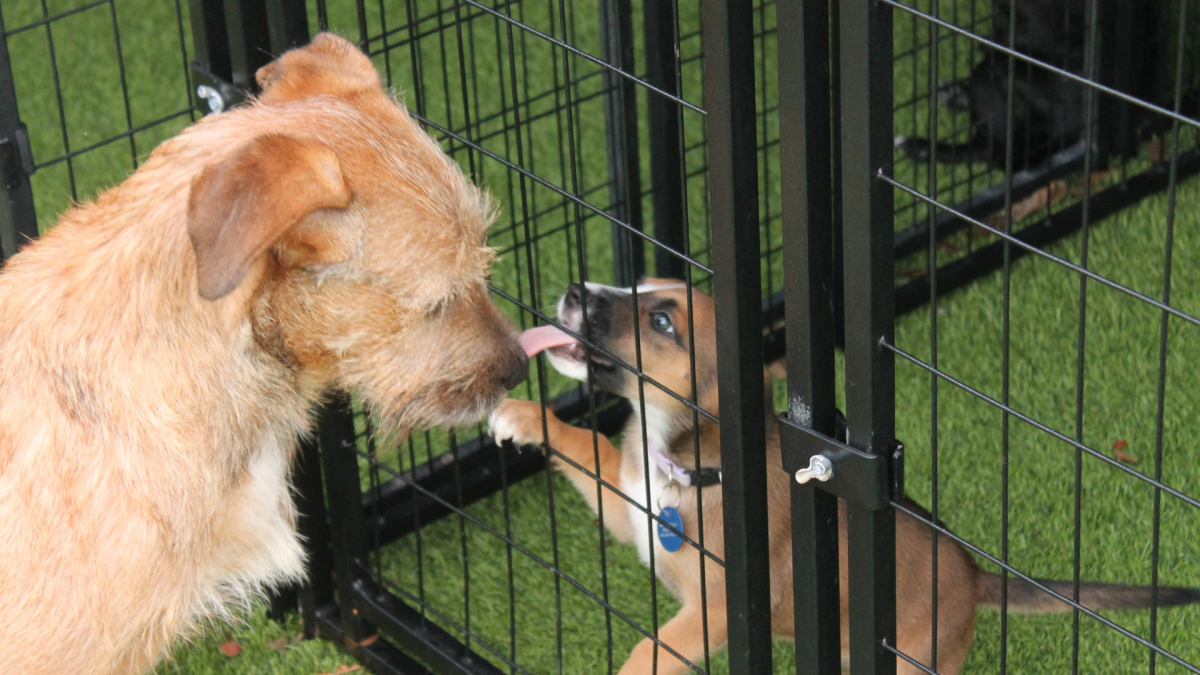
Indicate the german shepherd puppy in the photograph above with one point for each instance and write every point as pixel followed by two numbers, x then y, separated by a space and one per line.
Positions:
pixel 672 478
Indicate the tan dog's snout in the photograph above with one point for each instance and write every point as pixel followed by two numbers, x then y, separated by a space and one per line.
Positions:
pixel 515 369
pixel 510 366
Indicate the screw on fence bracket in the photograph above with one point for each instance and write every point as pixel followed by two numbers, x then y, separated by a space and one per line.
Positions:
pixel 216 102
pixel 868 480
pixel 218 93
pixel 819 467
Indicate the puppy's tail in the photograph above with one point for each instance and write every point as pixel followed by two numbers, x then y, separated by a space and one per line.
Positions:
pixel 1026 598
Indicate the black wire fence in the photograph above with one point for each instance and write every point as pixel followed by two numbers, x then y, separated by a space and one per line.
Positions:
pixel 852 161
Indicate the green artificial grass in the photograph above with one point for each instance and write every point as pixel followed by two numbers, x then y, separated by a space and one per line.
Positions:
pixel 514 608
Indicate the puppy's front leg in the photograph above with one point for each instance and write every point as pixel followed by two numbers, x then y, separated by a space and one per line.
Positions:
pixel 685 635
pixel 522 422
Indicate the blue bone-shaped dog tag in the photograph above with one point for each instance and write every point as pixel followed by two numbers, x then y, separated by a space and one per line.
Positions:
pixel 668 539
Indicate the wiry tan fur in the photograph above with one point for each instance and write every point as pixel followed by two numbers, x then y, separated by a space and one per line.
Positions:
pixel 146 432
pixel 666 359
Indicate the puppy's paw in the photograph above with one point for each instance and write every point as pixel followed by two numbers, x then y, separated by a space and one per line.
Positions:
pixel 519 421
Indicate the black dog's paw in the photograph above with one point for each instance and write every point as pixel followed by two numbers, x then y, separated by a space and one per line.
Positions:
pixel 919 149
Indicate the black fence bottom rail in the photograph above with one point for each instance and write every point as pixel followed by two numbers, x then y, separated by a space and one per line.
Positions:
pixel 990 200
pixel 990 258
pixel 379 655
pixel 403 504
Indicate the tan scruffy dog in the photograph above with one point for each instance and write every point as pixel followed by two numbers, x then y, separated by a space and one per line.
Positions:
pixel 670 444
pixel 163 348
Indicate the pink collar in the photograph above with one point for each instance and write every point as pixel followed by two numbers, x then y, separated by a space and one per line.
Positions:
pixel 703 477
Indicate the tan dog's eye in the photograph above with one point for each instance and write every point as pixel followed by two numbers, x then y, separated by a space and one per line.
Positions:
pixel 662 323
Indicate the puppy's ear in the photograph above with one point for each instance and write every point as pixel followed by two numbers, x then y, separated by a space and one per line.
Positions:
pixel 244 204
pixel 329 65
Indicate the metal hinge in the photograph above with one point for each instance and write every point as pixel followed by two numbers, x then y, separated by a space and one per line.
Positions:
pixel 871 481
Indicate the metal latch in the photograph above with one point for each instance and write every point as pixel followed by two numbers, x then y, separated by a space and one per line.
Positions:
pixel 871 481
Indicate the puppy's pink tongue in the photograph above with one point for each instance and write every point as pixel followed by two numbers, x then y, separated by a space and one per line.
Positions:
pixel 536 340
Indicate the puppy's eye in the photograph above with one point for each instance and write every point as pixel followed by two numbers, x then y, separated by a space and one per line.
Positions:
pixel 662 323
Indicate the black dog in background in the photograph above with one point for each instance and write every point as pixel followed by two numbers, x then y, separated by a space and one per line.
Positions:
pixel 1048 109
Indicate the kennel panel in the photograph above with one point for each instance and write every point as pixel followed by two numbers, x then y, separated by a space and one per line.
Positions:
pixel 1136 53
pixel 1040 404
pixel 525 97
pixel 98 85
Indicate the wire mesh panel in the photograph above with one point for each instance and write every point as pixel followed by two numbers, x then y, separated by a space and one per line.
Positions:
pixel 957 83
pixel 587 123
pixel 97 84
pixel 1046 408
pixel 590 130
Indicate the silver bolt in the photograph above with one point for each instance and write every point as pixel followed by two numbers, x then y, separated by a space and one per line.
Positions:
pixel 216 102
pixel 819 467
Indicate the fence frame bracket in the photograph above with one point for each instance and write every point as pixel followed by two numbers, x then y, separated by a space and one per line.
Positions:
pixel 862 479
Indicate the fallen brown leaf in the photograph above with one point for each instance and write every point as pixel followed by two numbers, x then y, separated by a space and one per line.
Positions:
pixel 1042 199
pixel 1126 458
pixel 1098 180
pixel 230 648
pixel 949 247
pixel 280 645
pixel 914 273
pixel 1121 455
pixel 1156 149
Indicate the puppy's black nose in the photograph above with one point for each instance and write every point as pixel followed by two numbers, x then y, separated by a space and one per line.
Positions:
pixel 576 294
pixel 516 372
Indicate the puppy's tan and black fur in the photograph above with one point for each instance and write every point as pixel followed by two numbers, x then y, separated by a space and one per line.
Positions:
pixel 666 343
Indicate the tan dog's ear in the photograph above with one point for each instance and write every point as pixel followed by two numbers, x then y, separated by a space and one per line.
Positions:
pixel 329 65
pixel 242 205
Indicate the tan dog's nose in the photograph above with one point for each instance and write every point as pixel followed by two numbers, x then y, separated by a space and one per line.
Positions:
pixel 517 370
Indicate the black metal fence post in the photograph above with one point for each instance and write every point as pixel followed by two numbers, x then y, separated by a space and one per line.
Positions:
pixel 664 122
pixel 18 222
pixel 287 25
pixel 728 33
pixel 621 129
pixel 313 526
pixel 212 69
pixel 866 53
pixel 347 529
pixel 807 221
pixel 249 40
pixel 234 38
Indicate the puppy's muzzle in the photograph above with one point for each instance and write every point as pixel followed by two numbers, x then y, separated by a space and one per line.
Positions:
pixel 570 311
